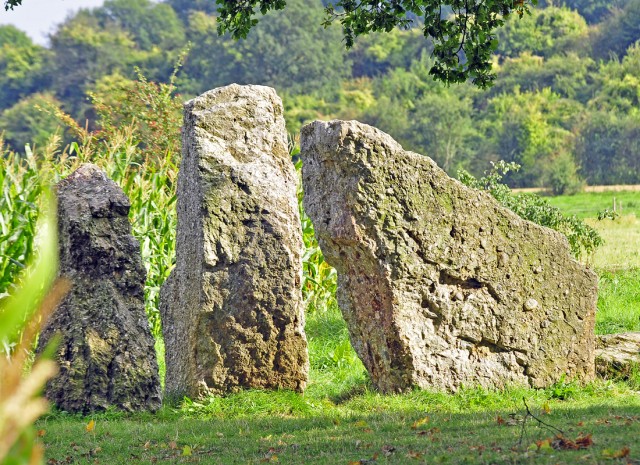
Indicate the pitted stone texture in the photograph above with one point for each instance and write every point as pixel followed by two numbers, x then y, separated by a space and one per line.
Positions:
pixel 440 285
pixel 617 355
pixel 232 309
pixel 106 351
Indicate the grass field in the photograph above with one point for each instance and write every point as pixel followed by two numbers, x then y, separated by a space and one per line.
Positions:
pixel 617 262
pixel 588 204
pixel 341 420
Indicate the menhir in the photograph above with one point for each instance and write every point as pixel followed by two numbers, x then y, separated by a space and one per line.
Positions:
pixel 105 350
pixel 441 286
pixel 232 309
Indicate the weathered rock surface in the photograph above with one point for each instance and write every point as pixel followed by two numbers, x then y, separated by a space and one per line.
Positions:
pixel 232 308
pixel 440 285
pixel 617 355
pixel 106 351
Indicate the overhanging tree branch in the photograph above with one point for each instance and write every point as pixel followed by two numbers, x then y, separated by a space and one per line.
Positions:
pixel 463 43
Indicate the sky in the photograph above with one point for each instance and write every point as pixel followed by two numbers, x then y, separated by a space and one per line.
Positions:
pixel 38 18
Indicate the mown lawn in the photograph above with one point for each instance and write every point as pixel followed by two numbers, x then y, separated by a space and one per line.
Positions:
pixel 421 428
pixel 340 420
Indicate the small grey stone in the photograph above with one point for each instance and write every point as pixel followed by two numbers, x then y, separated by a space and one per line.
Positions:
pixel 530 305
pixel 617 355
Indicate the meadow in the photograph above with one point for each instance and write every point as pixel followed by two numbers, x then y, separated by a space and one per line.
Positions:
pixel 617 261
pixel 340 419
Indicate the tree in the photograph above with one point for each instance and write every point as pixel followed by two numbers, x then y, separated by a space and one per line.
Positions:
pixel 463 31
pixel 570 76
pixel 21 66
pixel 618 32
pixel 544 33
pixel 83 53
pixel 608 148
pixel 184 8
pixel 425 117
pixel 28 122
pixel 150 24
pixel 594 11
pixel 532 129
pixel 289 51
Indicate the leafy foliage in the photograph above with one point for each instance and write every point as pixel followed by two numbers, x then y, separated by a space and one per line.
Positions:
pixel 544 32
pixel 10 4
pixel 22 66
pixel 558 108
pixel 20 318
pixel 582 238
pixel 27 123
pixel 319 279
pixel 288 50
pixel 20 190
pixel 133 153
pixel 463 31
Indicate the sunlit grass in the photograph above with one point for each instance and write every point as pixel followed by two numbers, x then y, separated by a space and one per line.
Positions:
pixel 618 301
pixel 621 248
pixel 617 261
pixel 589 204
pixel 340 419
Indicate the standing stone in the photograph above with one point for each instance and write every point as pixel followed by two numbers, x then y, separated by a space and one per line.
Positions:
pixel 105 351
pixel 440 286
pixel 232 312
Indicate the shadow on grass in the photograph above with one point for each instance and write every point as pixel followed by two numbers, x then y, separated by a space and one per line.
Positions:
pixel 411 435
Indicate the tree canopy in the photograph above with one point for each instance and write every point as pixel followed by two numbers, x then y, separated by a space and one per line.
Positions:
pixel 565 103
pixel 463 31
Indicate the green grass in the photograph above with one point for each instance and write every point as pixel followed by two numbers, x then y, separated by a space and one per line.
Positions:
pixel 471 427
pixel 621 248
pixel 618 301
pixel 341 420
pixel 382 437
pixel 588 204
pixel 617 261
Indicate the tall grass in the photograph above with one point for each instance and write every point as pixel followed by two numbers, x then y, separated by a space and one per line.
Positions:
pixel 148 179
pixel 21 380
pixel 319 279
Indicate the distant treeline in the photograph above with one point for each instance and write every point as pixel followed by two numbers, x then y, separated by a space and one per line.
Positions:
pixel 566 105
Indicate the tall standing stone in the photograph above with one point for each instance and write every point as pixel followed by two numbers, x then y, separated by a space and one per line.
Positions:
pixel 105 351
pixel 439 284
pixel 232 312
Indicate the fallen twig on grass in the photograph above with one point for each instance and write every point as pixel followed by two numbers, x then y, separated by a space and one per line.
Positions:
pixel 524 423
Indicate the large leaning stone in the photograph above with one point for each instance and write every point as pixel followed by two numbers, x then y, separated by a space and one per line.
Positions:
pixel 232 312
pixel 440 285
pixel 105 351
